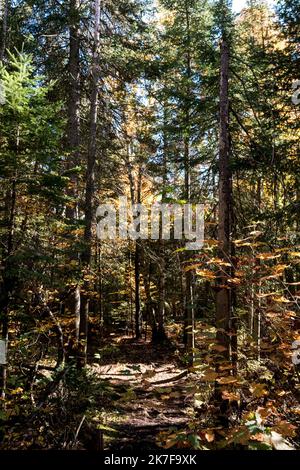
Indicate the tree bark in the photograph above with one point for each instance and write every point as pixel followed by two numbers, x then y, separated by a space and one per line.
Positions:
pixel 223 299
pixel 90 192
pixel 137 268
pixel 189 336
pixel 161 333
pixel 150 313
pixel 73 138
pixel 73 124
pixel 9 280
pixel 137 276
pixel 4 29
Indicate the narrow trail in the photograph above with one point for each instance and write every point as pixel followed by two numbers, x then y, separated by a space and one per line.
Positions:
pixel 157 394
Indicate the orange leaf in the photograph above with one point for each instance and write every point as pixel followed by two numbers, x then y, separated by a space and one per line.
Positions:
pixel 231 396
pixel 209 435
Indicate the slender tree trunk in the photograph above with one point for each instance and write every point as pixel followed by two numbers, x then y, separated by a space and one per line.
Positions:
pixel 189 302
pixel 135 196
pixel 5 7
pixel 161 333
pixel 100 286
pixel 137 279
pixel 8 282
pixel 189 336
pixel 131 293
pixel 150 314
pixel 73 137
pixel 73 124
pixel 223 300
pixel 89 192
pixel 233 315
pixel 9 279
pixel 137 268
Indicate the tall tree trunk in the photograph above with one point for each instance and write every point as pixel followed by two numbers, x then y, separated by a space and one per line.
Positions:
pixel 135 196
pixel 161 333
pixel 137 267
pixel 137 278
pixel 5 7
pixel 73 124
pixel 73 136
pixel 90 191
pixel 189 336
pixel 131 294
pixel 9 279
pixel 223 299
pixel 150 314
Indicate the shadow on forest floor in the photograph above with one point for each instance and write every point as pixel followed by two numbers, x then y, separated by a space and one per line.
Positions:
pixel 126 349
pixel 157 395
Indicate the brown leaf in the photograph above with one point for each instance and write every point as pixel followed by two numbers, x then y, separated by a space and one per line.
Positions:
pixel 218 347
pixel 209 376
pixel 285 428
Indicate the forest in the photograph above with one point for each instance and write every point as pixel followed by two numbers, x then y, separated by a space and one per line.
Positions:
pixel 149 225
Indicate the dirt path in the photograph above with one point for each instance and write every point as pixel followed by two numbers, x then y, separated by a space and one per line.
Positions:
pixel 156 394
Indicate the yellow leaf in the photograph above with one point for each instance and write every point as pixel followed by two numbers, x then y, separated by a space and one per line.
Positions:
pixel 281 300
pixel 227 380
pixel 235 281
pixel 211 242
pixel 191 267
pixel 258 390
pixel 255 233
pixel 206 274
pixel 267 256
pixel 17 391
pixel 219 262
pixel 261 296
pixel 165 397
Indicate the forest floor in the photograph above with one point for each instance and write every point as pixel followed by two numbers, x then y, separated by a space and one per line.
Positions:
pixel 158 394
pixel 138 396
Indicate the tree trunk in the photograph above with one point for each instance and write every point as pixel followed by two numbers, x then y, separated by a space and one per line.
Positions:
pixel 4 29
pixel 161 333
pixel 189 336
pixel 150 313
pixel 89 193
pixel 137 276
pixel 73 138
pixel 137 268
pixel 223 300
pixel 9 280
pixel 73 124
